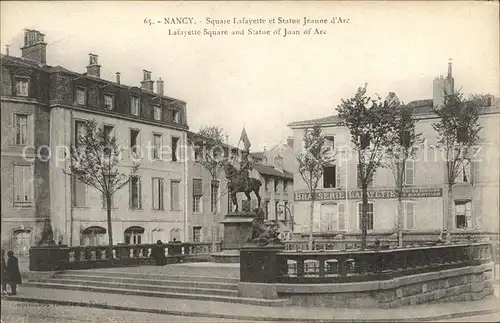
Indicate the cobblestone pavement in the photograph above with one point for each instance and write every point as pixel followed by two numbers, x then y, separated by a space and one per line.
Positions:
pixel 24 312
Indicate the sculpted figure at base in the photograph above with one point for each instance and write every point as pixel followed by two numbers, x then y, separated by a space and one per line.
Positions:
pixel 262 233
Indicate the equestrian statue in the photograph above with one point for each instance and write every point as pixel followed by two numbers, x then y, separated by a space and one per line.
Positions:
pixel 240 181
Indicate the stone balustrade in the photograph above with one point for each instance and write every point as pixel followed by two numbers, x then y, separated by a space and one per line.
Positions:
pixel 49 258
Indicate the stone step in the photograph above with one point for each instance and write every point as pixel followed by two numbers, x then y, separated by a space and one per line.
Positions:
pixel 139 287
pixel 166 276
pixel 164 281
pixel 200 297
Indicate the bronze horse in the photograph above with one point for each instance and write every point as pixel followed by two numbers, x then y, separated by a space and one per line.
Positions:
pixel 237 183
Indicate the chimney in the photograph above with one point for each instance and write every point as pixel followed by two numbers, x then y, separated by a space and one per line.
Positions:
pixel 147 83
pixel 159 86
pixel 449 68
pixel 289 142
pixel 34 47
pixel 7 50
pixel 118 77
pixel 94 69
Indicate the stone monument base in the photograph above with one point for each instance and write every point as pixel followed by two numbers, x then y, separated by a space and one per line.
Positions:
pixel 237 230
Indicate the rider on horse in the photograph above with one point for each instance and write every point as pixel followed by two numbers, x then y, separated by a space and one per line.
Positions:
pixel 245 167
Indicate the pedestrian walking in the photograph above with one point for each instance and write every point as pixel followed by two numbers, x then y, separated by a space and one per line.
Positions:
pixel 158 253
pixel 13 273
pixel 4 274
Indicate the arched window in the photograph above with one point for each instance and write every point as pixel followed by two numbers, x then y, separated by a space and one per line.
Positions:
pixel 175 234
pixel 21 241
pixel 93 236
pixel 369 215
pixel 133 235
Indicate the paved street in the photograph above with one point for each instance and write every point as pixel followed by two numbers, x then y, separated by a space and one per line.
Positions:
pixel 480 318
pixel 24 312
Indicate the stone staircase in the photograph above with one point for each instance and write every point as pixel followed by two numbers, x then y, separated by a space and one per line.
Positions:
pixel 217 289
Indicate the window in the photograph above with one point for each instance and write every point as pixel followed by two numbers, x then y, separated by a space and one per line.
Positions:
pixel 22 85
pixel 135 106
pixel 80 96
pixel 464 175
pixel 409 172
pixel 266 184
pixel 174 195
pixel 175 140
pixel 133 235
pixel 197 194
pixel 276 185
pixel 214 193
pixel 369 215
pixel 196 234
pixel 409 215
pixel 370 184
pixel 135 192
pixel 266 209
pixel 103 200
pixel 286 212
pixel 108 132
pixel 175 116
pixel 157 112
pixel 93 236
pixel 22 129
pixel 79 193
pixel 330 143
pixel 23 184
pixel 405 139
pixel 329 177
pixel 463 216
pixel 157 194
pixel 79 132
pixel 156 149
pixel 134 140
pixel 108 101
pixel 332 217
pixel 276 209
pixel 285 186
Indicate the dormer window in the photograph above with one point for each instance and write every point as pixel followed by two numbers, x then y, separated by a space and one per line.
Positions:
pixel 108 101
pixel 80 96
pixel 175 116
pixel 157 112
pixel 135 105
pixel 22 85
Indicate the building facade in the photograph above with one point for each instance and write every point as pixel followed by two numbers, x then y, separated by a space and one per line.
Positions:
pixel 43 109
pixel 338 201
pixel 274 167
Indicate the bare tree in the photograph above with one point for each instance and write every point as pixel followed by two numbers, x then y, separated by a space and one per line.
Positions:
pixel 311 161
pixel 371 124
pixel 209 152
pixel 399 153
pixel 96 156
pixel 458 133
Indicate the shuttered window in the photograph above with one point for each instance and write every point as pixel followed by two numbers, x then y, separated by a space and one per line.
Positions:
pixel 174 195
pixel 409 172
pixel 157 193
pixel 135 192
pixel 23 184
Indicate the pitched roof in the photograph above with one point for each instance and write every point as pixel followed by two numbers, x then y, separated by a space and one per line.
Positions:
pixel 271 171
pixel 326 120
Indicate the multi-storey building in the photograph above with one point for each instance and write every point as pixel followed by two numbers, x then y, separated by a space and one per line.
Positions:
pixel 43 108
pixel 274 167
pixel 338 201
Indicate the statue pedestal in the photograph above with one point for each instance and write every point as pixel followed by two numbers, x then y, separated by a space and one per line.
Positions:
pixel 237 231
pixel 260 264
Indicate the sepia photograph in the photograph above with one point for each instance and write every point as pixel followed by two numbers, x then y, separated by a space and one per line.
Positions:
pixel 250 161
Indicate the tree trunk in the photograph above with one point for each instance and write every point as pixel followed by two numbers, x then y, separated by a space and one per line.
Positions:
pixel 311 222
pixel 364 219
pixel 214 214
pixel 400 220
pixel 449 216
pixel 108 218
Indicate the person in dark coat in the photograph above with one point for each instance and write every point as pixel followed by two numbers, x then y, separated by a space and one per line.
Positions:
pixel 13 273
pixel 158 253
pixel 3 272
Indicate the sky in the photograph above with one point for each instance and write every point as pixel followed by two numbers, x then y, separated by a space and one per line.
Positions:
pixel 265 82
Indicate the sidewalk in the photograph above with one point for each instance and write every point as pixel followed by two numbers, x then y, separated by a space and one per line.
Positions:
pixel 425 312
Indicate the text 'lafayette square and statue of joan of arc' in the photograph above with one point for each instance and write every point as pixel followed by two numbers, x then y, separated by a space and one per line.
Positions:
pixel 213 27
